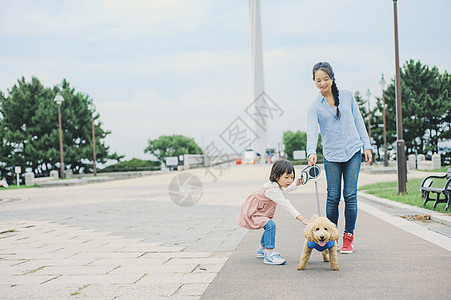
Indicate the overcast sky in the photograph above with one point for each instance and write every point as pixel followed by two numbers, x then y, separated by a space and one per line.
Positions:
pixel 162 67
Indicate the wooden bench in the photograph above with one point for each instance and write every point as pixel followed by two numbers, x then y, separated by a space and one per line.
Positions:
pixel 426 189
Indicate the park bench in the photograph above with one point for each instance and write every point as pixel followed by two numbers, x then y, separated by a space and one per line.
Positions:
pixel 426 189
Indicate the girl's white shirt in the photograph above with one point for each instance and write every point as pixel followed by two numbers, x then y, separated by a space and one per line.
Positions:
pixel 276 195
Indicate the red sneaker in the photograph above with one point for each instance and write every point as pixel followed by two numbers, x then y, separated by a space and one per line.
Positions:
pixel 338 246
pixel 347 243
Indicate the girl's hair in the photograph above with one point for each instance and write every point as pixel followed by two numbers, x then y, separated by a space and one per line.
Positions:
pixel 280 167
pixel 326 67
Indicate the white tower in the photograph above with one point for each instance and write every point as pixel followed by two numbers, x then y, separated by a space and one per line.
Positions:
pixel 258 117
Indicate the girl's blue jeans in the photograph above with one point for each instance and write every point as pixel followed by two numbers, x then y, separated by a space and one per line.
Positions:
pixel 268 240
pixel 350 172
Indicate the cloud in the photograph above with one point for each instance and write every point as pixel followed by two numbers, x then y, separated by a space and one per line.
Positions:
pixel 157 67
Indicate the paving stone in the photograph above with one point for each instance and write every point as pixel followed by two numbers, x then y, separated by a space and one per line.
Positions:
pixel 169 255
pixel 208 268
pixel 198 277
pixel 64 262
pixel 24 268
pixel 99 279
pixel 106 254
pixel 192 289
pixel 26 280
pixel 143 248
pixel 37 292
pixel 141 261
pixel 43 255
pixel 155 269
pixel 151 291
pixel 76 270
pixel 191 260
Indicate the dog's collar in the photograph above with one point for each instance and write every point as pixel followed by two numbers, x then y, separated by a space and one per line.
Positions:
pixel 320 248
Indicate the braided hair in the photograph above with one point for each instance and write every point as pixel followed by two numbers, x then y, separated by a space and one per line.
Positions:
pixel 326 67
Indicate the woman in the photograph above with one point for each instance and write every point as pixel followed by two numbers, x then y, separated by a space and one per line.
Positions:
pixel 343 134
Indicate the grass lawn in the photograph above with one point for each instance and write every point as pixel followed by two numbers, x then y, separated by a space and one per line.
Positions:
pixel 441 170
pixel 389 190
pixel 15 187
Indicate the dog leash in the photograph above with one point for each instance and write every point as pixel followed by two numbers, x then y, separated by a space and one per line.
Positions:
pixel 317 199
pixel 312 173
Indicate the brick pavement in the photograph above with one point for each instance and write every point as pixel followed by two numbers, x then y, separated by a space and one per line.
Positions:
pixel 123 240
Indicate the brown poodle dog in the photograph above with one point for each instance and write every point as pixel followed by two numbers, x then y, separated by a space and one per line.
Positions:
pixel 321 234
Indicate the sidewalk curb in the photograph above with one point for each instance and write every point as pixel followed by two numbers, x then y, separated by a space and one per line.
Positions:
pixel 435 216
pixel 103 177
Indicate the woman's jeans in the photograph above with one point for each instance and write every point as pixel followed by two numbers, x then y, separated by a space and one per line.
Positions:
pixel 268 240
pixel 350 172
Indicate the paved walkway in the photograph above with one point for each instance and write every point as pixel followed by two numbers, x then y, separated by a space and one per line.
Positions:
pixel 388 263
pixel 127 240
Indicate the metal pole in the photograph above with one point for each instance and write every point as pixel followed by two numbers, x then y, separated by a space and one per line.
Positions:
pixel 369 119
pixel 61 142
pixel 94 146
pixel 400 144
pixel 385 132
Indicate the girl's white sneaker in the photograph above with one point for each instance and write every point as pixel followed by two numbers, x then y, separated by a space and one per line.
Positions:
pixel 273 258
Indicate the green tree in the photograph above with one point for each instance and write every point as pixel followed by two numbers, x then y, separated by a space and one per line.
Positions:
pixel 134 164
pixel 298 141
pixel 294 141
pixel 6 150
pixel 77 131
pixel 446 86
pixel 377 127
pixel 377 124
pixel 30 130
pixel 363 106
pixel 28 126
pixel 172 145
pixel 425 95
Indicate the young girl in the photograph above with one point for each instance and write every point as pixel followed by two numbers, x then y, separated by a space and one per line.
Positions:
pixel 259 208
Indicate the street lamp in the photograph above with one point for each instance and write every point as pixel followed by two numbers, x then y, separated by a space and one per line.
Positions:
pixel 92 108
pixel 400 144
pixel 59 99
pixel 382 83
pixel 368 94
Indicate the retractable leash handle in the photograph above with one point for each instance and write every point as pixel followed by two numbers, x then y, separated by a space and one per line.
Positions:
pixel 312 173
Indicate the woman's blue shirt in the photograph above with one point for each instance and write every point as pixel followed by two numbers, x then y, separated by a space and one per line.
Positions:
pixel 341 138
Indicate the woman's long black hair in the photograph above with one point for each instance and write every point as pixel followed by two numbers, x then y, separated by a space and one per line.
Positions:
pixel 326 67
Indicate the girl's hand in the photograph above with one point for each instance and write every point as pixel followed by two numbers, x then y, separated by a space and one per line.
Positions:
pixel 303 220
pixel 299 181
pixel 306 221
pixel 312 159
pixel 368 156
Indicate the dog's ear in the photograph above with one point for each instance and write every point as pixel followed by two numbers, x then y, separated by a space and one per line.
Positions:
pixel 308 232
pixel 333 232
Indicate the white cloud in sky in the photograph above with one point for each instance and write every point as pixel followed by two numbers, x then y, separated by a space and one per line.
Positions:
pixel 157 67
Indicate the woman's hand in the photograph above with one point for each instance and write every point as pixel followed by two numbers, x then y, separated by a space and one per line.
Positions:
pixel 368 156
pixel 312 159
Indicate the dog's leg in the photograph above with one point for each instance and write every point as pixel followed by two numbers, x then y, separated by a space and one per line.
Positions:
pixel 325 255
pixel 304 257
pixel 333 258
